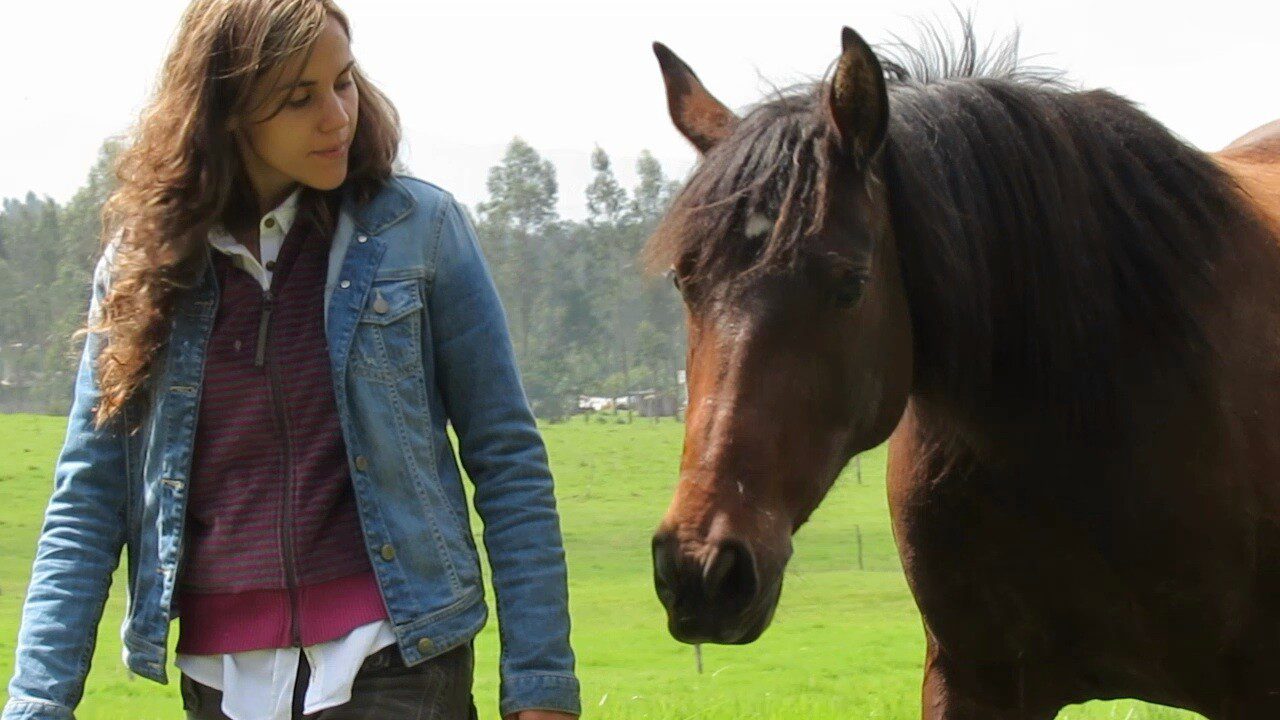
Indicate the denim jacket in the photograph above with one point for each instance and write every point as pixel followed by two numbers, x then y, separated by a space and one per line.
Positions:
pixel 440 353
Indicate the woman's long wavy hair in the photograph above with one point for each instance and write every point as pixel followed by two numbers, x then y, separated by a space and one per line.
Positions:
pixel 181 174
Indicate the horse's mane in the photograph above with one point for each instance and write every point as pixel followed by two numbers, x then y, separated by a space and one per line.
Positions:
pixel 1056 245
pixel 776 163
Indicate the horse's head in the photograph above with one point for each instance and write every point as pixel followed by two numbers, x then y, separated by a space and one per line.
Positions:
pixel 799 337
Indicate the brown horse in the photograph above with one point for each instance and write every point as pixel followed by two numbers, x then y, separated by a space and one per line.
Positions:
pixel 1068 319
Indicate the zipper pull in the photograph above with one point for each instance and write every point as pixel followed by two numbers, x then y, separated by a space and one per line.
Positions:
pixel 259 357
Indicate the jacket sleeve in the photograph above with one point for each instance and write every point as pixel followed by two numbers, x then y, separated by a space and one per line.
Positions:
pixel 504 455
pixel 78 549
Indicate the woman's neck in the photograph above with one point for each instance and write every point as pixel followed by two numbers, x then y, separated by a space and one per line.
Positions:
pixel 272 199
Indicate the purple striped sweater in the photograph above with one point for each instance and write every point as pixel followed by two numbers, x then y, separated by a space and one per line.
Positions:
pixel 274 552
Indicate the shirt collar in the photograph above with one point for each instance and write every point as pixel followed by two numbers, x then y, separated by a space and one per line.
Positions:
pixel 275 222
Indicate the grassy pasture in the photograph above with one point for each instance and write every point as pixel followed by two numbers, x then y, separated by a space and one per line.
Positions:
pixel 846 643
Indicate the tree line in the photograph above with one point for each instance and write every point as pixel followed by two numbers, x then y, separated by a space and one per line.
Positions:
pixel 584 319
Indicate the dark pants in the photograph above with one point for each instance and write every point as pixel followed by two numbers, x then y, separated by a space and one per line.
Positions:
pixel 437 689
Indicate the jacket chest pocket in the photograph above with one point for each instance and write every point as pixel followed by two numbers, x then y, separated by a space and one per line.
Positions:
pixel 388 341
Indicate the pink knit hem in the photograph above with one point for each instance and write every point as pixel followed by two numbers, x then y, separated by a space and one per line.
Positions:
pixel 214 623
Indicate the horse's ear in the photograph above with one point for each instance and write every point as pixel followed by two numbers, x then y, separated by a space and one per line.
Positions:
pixel 857 100
pixel 701 118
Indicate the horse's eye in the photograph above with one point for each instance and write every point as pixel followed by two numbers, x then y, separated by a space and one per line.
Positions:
pixel 675 279
pixel 849 290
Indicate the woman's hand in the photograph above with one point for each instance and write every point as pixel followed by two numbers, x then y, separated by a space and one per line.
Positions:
pixel 539 715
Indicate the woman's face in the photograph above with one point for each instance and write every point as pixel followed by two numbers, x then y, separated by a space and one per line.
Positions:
pixel 307 141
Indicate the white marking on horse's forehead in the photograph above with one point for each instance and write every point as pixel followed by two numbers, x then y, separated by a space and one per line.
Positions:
pixel 758 225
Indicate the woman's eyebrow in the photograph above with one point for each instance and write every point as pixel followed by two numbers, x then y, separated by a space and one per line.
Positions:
pixel 309 83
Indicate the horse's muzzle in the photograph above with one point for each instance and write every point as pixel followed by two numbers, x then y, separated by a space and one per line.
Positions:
pixel 714 595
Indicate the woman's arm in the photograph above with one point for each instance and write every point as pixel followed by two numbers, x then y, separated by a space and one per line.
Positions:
pixel 504 455
pixel 78 550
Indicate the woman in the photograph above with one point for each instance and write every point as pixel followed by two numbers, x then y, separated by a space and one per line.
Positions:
pixel 280 329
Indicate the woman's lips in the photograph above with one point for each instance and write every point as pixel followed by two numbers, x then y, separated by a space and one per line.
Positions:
pixel 332 153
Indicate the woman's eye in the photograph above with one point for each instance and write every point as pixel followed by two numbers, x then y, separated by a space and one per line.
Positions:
pixel 345 84
pixel 299 102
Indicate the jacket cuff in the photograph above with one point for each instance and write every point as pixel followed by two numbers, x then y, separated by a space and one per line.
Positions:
pixel 540 691
pixel 35 710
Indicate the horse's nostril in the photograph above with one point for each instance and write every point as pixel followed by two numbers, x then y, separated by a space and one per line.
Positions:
pixel 730 578
pixel 717 571
pixel 664 565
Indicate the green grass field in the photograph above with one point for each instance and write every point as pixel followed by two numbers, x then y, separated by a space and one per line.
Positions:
pixel 846 643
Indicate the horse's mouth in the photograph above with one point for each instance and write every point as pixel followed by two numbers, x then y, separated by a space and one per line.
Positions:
pixel 705 625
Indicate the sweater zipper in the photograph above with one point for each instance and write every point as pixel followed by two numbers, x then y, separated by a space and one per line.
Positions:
pixel 260 355
pixel 286 512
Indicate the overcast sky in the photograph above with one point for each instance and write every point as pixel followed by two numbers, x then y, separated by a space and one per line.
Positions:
pixel 567 75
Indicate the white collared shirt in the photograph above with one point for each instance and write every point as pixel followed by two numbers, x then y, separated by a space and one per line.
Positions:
pixel 271 231
pixel 258 684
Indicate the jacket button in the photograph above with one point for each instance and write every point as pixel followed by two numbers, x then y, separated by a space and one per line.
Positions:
pixel 362 463
pixel 345 284
pixel 388 552
pixel 362 239
pixel 424 646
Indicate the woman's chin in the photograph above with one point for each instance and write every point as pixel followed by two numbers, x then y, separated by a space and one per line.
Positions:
pixel 325 180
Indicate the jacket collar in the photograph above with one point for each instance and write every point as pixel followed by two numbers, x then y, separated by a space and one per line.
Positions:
pixel 390 205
